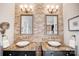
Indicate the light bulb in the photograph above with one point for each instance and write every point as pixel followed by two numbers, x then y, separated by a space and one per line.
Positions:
pixel 31 6
pixel 57 6
pixel 25 6
pixel 21 6
pixel 52 6
pixel 47 6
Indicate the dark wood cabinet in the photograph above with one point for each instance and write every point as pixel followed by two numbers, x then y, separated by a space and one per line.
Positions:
pixel 58 53
pixel 19 53
pixel 44 53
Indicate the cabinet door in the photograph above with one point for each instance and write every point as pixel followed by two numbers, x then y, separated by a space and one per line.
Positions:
pixel 19 53
pixel 59 53
pixel 53 53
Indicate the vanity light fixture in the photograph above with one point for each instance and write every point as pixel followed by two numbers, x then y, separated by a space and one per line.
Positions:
pixel 26 8
pixel 52 8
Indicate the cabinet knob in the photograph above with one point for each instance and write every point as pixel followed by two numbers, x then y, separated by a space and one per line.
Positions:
pixel 25 54
pixel 10 54
pixel 67 54
pixel 52 54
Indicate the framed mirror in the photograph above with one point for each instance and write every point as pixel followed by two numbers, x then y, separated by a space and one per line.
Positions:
pixel 26 24
pixel 51 24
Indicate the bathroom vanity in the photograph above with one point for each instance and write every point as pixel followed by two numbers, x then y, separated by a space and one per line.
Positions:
pixel 57 51
pixel 13 50
pixel 31 50
pixel 37 25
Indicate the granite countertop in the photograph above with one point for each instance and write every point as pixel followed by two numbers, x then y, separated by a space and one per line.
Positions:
pixel 47 47
pixel 13 47
pixel 32 47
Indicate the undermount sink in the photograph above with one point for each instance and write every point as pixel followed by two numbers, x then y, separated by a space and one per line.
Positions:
pixel 54 43
pixel 22 43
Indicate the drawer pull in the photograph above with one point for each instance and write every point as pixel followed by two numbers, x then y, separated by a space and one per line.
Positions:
pixel 10 54
pixel 25 54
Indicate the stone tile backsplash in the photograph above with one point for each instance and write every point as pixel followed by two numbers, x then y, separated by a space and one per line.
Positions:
pixel 39 12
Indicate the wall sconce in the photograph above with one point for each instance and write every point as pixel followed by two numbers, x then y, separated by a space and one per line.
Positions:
pixel 52 8
pixel 26 8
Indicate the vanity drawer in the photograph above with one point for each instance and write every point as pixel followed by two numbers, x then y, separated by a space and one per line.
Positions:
pixel 58 53
pixel 19 53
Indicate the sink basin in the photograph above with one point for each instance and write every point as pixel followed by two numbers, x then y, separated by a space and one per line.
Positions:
pixel 22 43
pixel 54 43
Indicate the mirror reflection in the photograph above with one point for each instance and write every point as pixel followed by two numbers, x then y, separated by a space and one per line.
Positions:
pixel 26 24
pixel 51 24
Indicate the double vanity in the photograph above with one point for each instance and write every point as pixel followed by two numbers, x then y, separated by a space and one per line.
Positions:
pixel 26 48
pixel 34 26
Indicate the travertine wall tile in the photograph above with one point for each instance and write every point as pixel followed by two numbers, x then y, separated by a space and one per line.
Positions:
pixel 39 12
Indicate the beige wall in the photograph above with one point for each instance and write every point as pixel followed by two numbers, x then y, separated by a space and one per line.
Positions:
pixel 69 11
pixel 7 14
pixel 39 12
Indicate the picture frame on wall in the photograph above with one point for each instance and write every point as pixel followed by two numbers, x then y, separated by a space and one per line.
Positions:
pixel 73 23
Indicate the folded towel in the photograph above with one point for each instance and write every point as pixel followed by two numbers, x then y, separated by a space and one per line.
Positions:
pixel 72 43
